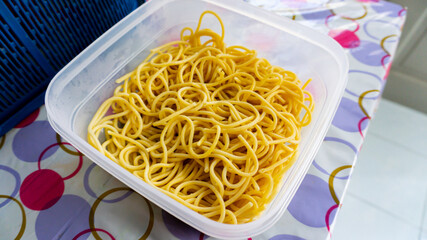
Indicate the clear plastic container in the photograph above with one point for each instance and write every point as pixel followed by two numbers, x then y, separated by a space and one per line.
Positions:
pixel 78 89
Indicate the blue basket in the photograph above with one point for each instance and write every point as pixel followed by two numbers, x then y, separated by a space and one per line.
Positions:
pixel 38 38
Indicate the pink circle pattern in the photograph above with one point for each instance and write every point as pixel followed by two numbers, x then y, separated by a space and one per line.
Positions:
pixel 28 120
pixel 41 189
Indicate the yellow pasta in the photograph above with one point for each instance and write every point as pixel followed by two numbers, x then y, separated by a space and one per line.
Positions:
pixel 211 126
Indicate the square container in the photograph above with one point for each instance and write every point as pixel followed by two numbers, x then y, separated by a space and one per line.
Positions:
pixel 78 89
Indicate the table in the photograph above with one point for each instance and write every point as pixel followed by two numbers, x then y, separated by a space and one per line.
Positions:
pixel 48 190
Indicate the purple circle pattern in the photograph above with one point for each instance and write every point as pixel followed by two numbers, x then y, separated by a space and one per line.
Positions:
pixel 339 140
pixel 369 53
pixel 31 140
pixel 366 73
pixel 17 181
pixel 67 218
pixel 316 15
pixel 348 144
pixel 316 165
pixel 311 202
pixel 179 229
pixel 391 10
pixel 385 23
pixel 348 116
pixel 93 194
pixel 286 237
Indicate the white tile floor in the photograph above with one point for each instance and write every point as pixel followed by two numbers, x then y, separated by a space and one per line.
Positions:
pixel 387 194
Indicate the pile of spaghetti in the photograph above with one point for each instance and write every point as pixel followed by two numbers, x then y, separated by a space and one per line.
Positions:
pixel 211 126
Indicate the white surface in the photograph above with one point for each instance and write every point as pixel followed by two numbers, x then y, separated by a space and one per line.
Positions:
pixel 402 126
pixel 365 221
pixel 423 233
pixel 387 194
pixel 407 79
pixel 406 89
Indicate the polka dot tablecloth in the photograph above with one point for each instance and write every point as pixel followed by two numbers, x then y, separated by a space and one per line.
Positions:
pixel 48 190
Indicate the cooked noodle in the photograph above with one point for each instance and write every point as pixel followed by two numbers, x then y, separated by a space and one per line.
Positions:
pixel 211 126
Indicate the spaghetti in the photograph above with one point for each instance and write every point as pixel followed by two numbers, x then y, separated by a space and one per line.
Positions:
pixel 213 127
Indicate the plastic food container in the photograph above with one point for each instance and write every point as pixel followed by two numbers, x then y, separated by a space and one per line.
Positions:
pixel 78 89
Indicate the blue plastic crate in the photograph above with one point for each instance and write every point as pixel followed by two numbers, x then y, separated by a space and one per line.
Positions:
pixel 38 38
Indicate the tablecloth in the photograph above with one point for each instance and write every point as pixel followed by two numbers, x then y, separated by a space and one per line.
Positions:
pixel 48 190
